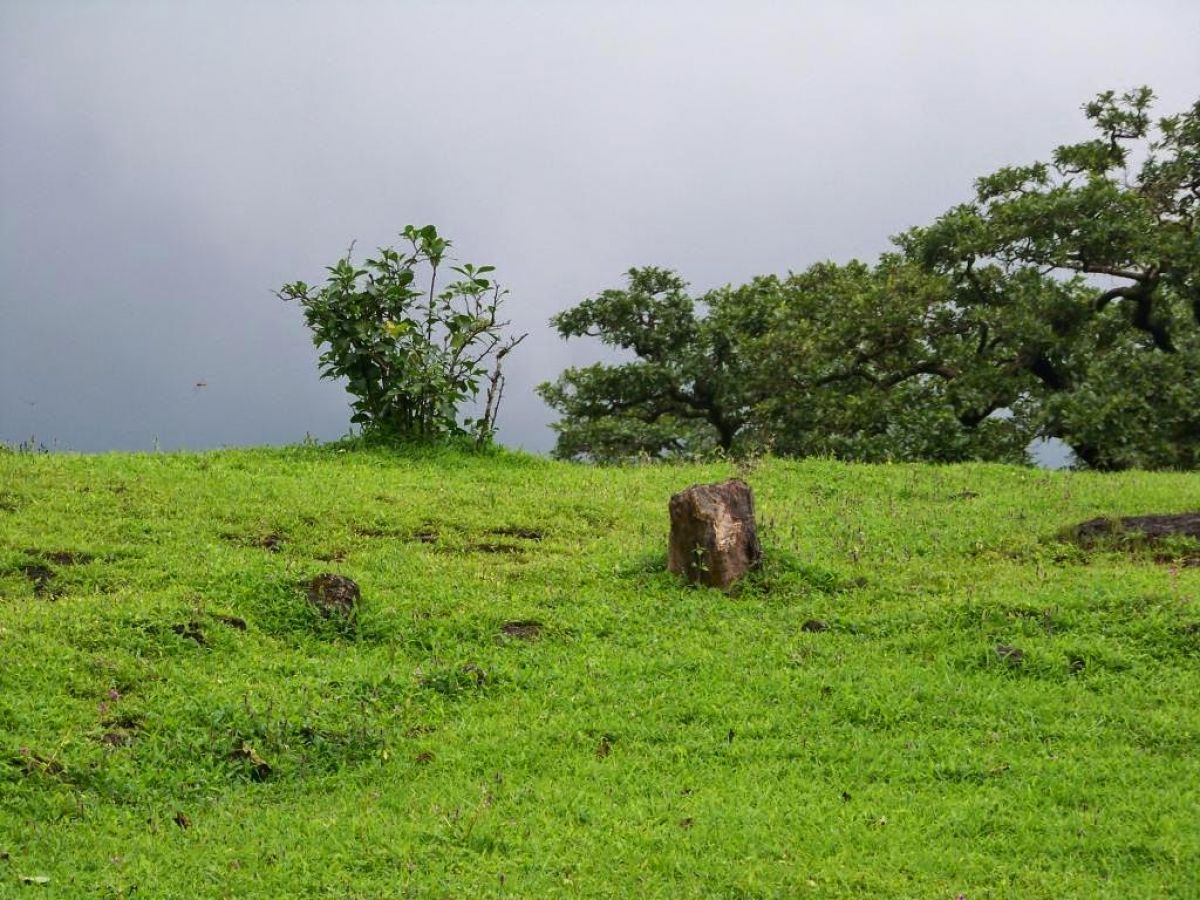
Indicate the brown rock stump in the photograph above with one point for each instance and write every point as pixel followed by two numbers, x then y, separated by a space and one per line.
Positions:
pixel 714 541
pixel 333 595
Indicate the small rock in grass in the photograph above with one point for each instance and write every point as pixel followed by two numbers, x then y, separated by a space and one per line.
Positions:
pixel 334 594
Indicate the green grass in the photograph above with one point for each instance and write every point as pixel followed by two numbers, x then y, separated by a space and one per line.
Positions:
pixel 652 740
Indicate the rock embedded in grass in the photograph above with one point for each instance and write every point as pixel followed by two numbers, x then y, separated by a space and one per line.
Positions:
pixel 333 594
pixel 1151 527
pixel 714 540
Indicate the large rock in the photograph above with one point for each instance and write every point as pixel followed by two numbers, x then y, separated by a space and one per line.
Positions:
pixel 714 541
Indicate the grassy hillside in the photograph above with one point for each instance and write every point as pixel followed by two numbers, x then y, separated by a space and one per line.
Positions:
pixel 175 719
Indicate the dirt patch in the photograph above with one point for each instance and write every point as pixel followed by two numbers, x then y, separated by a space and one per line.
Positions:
pixel 192 631
pixel 1172 539
pixel 424 536
pixel 514 531
pixel 272 541
pixel 526 630
pixel 376 531
pixel 40 577
pixel 127 724
pixel 43 571
pixel 64 557
pixel 486 547
pixel 114 740
pixel 34 763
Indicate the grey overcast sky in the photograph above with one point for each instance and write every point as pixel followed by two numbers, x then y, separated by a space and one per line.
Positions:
pixel 165 165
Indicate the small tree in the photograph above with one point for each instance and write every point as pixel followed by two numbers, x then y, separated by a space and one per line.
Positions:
pixel 412 355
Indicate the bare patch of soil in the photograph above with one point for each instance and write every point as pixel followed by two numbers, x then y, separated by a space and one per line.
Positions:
pixel 192 631
pixel 525 534
pixel 40 577
pixel 375 531
pixel 116 739
pixel 272 541
pixel 527 630
pixel 65 557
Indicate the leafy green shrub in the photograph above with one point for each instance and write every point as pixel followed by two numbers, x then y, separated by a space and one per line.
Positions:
pixel 412 355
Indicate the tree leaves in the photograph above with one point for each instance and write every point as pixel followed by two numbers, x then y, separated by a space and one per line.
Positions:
pixel 1062 302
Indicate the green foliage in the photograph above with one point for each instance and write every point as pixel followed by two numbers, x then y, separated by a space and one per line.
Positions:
pixel 857 362
pixel 412 355
pixel 173 716
pixel 874 364
pixel 1062 302
pixel 682 394
pixel 1085 273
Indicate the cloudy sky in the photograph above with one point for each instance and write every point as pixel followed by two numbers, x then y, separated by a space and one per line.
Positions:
pixel 165 165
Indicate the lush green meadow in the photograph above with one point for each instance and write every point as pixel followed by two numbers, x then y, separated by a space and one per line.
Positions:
pixel 177 721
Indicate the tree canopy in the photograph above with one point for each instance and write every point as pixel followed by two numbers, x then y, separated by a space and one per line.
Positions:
pixel 1062 301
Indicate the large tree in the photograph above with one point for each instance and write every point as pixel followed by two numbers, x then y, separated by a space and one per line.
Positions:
pixel 1087 269
pixel 854 361
pixel 876 363
pixel 680 387
pixel 1062 301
